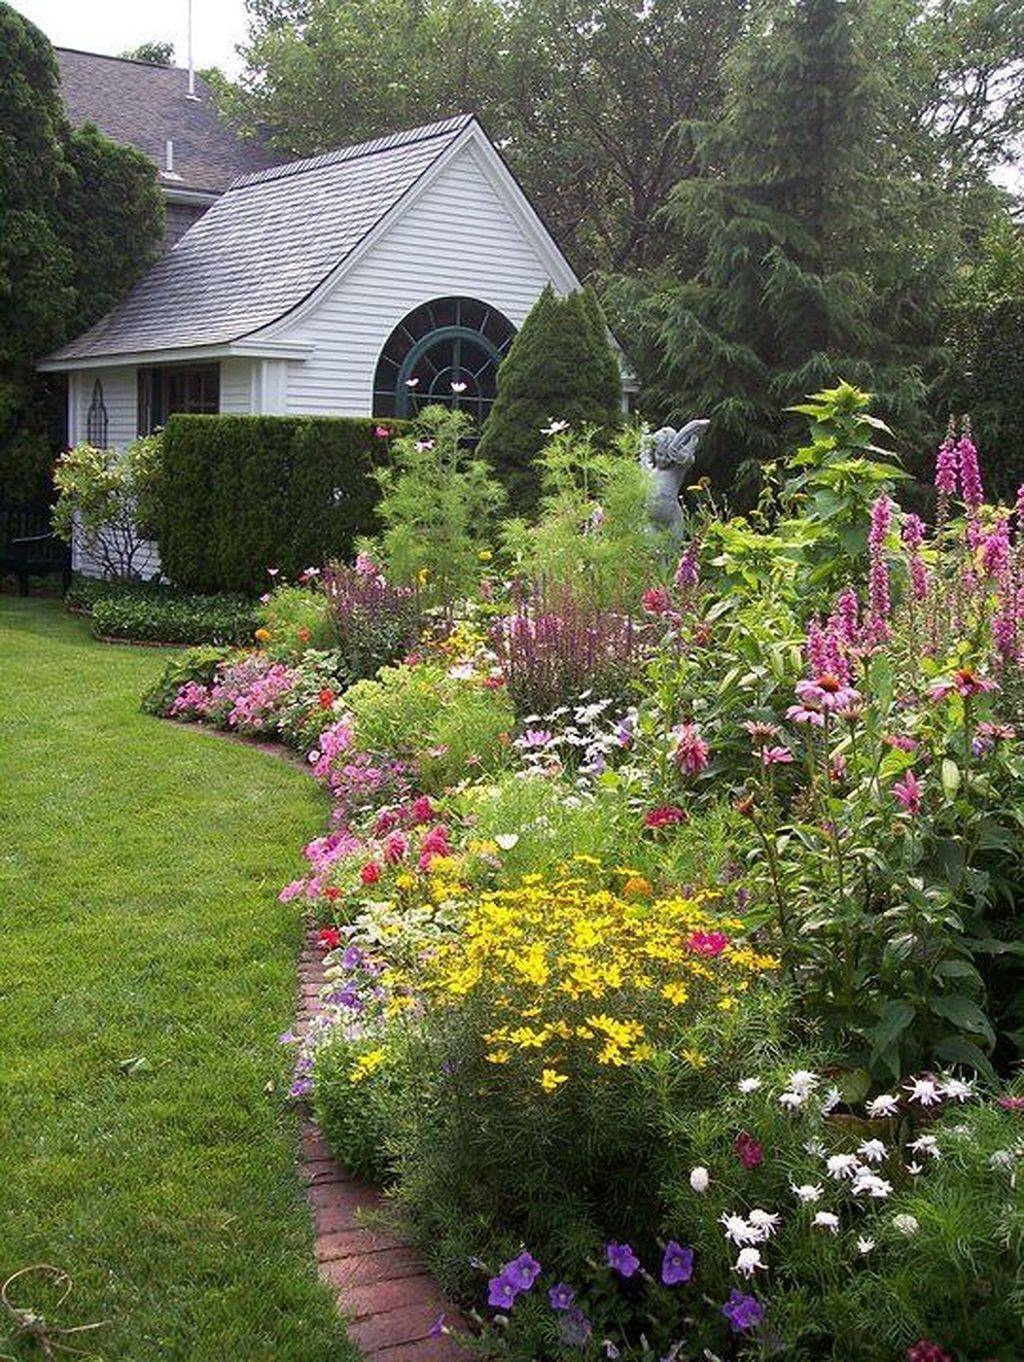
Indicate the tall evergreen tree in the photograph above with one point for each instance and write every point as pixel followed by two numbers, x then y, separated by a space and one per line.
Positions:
pixel 79 220
pixel 804 236
pixel 561 366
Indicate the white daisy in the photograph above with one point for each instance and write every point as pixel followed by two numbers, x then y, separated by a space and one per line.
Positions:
pixel 825 1220
pixel 792 1100
pixel 926 1091
pixel 958 1089
pixel 806 1192
pixel 765 1222
pixel 872 1151
pixel 883 1105
pixel 554 428
pixel 926 1144
pixel 749 1261
pixel 906 1224
pixel 803 1081
pixel 842 1166
pixel 749 1084
pixel 864 1244
pixel 870 1184
pixel 914 1168
pixel 832 1099
pixel 737 1230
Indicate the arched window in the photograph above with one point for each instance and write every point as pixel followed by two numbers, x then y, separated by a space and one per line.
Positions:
pixel 96 418
pixel 447 351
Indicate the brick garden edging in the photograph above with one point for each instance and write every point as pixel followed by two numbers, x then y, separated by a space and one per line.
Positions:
pixel 388 1297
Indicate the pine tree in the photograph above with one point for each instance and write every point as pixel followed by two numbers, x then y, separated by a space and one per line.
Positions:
pixel 561 366
pixel 805 238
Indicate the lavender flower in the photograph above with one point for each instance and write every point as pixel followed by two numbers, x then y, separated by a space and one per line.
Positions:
pixel 561 1296
pixel 743 1312
pixel 677 1264
pixel 621 1259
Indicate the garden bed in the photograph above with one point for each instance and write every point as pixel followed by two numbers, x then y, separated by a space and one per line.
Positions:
pixel 670 910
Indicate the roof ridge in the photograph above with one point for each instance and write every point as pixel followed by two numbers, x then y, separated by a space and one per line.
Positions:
pixel 132 61
pixel 356 152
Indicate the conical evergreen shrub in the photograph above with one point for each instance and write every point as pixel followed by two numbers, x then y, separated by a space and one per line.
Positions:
pixel 561 366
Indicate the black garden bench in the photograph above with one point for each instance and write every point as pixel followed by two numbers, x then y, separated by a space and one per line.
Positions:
pixel 29 548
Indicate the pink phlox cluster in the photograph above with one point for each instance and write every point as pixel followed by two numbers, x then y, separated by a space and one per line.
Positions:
pixel 192 701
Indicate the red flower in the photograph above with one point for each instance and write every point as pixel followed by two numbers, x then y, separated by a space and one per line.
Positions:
pixel 303 633
pixel 749 1151
pixel 328 938
pixel 656 601
pixel 326 698
pixel 707 943
pixel 332 892
pixel 422 810
pixel 664 816
pixel 924 1351
pixel 370 873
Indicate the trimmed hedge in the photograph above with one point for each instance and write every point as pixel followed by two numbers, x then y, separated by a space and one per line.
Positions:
pixel 145 612
pixel 240 494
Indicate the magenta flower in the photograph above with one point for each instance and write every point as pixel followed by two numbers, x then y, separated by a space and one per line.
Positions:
pixel 677 1264
pixel 437 1328
pixel 621 1259
pixel 707 943
pixel 749 1151
pixel 656 601
pixel 908 793
pixel 827 692
pixel 742 1312
pixel 776 756
pixel 995 550
pixel 844 621
pixel 688 569
pixel 913 538
pixel 970 472
pixel 879 600
pixel 800 714
pixel 691 751
pixel 946 467
pixel 561 1296
pixel 966 682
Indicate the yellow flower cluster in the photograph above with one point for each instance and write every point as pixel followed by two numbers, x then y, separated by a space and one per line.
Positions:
pixel 569 973
pixel 367 1063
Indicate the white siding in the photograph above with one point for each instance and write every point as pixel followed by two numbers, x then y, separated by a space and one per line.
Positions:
pixel 236 386
pixel 458 237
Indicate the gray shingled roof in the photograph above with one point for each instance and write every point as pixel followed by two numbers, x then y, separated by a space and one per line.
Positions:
pixel 264 246
pixel 144 105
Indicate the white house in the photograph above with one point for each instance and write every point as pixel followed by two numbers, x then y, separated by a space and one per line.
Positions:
pixel 366 281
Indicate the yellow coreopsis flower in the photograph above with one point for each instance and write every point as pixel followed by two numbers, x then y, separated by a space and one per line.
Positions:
pixel 549 1080
pixel 366 1064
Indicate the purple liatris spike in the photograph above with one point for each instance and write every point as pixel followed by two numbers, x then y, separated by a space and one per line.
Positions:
pixel 913 538
pixel 946 466
pixel 879 600
pixel 995 549
pixel 970 471
pixel 845 618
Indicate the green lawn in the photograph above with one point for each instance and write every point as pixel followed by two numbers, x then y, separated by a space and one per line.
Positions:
pixel 139 864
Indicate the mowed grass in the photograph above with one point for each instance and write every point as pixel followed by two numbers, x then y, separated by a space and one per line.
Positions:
pixel 139 865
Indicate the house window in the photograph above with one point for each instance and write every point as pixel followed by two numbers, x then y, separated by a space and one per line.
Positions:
pixel 176 387
pixel 96 422
pixel 445 351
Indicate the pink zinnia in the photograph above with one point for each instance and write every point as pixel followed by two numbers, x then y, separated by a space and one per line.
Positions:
pixel 707 943
pixel 908 793
pixel 691 752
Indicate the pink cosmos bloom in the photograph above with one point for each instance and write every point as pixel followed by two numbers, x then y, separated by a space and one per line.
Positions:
pixel 691 751
pixel 707 943
pixel 908 793
pixel 775 756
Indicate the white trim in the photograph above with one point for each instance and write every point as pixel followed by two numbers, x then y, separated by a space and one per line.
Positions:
pixel 242 349
pixel 503 182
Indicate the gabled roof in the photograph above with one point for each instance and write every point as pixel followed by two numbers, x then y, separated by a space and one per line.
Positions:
pixel 144 105
pixel 264 246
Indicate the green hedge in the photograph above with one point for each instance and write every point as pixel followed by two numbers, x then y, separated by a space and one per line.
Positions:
pixel 988 347
pixel 240 494
pixel 149 613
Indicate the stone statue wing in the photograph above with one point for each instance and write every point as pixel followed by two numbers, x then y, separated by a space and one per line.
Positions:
pixel 685 441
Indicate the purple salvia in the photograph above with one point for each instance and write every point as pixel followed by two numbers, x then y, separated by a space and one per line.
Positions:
pixel 913 538
pixel 970 471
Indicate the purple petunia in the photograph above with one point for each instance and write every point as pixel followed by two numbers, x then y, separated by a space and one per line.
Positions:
pixel 561 1296
pixel 677 1264
pixel 301 1087
pixel 743 1312
pixel 621 1259
pixel 500 1292
pixel 522 1272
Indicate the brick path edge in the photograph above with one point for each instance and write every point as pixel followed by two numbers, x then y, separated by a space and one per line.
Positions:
pixel 388 1298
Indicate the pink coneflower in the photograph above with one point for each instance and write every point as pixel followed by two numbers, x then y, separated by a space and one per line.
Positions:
pixel 908 793
pixel 760 732
pixel 826 692
pixel 691 751
pixel 775 756
pixel 966 682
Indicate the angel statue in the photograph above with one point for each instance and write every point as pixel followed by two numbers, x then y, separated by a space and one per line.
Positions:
pixel 668 455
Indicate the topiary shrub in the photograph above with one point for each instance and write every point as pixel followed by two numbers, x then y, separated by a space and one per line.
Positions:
pixel 240 494
pixel 561 366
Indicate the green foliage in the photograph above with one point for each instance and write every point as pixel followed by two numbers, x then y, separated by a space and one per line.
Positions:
pixel 160 615
pixel 109 494
pixel 198 664
pixel 561 366
pixel 356 1118
pixel 446 727
pixel 156 53
pixel 437 507
pixel 80 218
pixel 241 494
pixel 292 620
pixel 591 534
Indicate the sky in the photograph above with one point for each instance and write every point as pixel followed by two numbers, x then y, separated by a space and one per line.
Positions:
pixel 111 26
